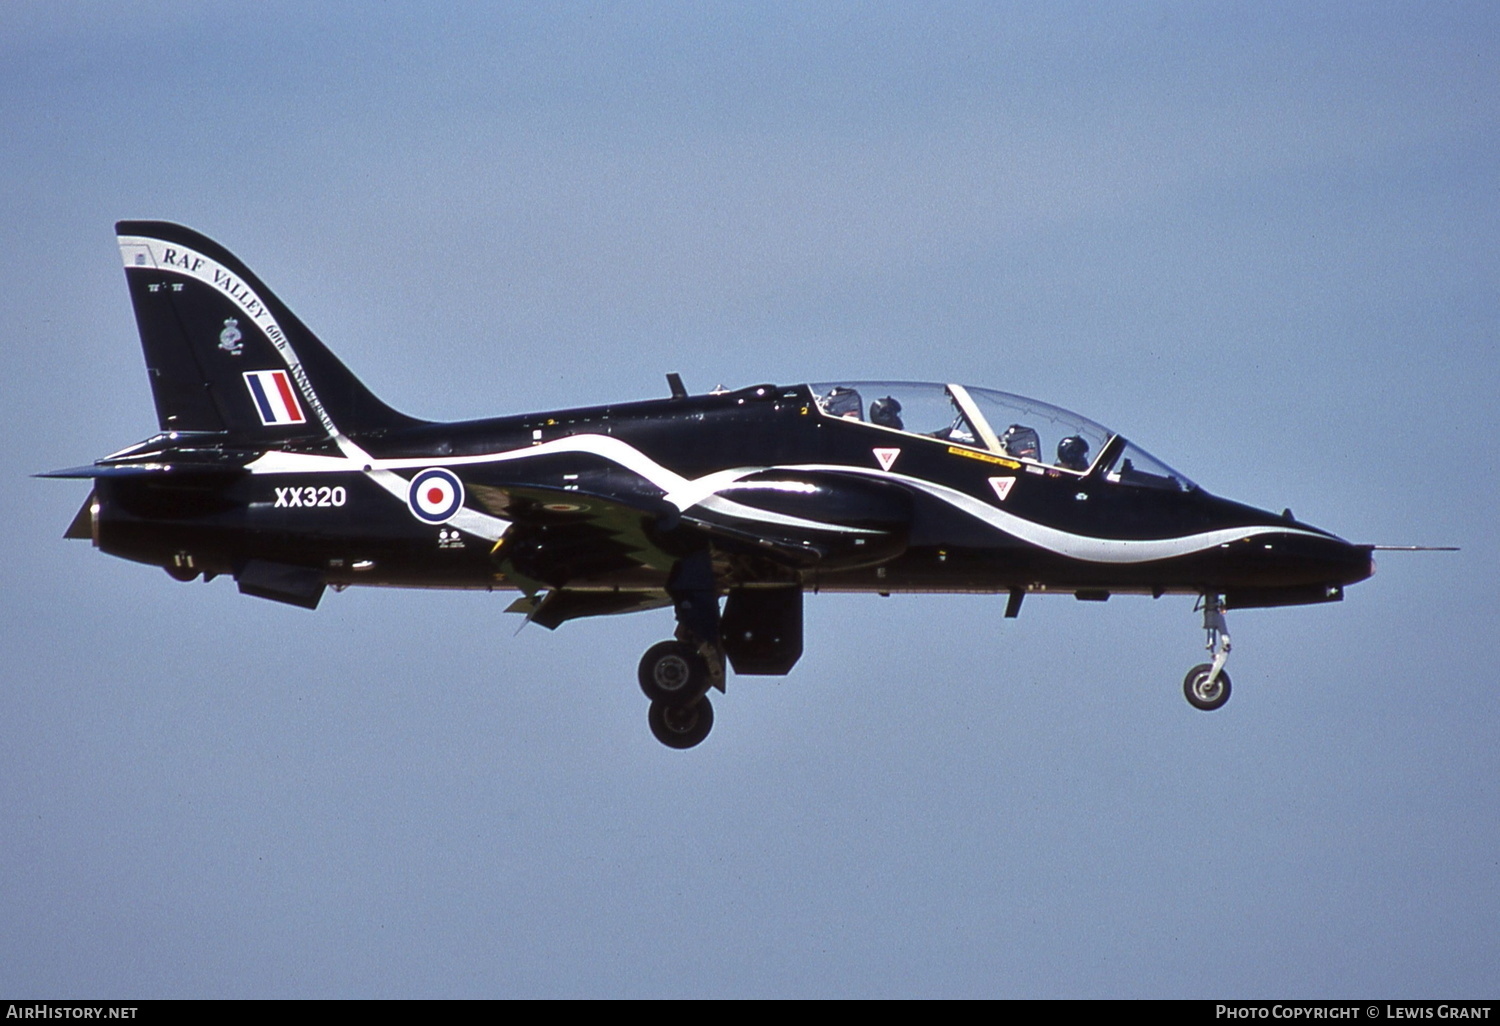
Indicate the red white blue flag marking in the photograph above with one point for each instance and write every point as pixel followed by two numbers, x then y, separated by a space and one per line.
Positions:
pixel 435 496
pixel 275 400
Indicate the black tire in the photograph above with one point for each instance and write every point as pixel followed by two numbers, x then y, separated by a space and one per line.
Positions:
pixel 681 726
pixel 1201 697
pixel 673 673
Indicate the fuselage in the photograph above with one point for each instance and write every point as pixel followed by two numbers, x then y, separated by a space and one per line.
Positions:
pixel 874 508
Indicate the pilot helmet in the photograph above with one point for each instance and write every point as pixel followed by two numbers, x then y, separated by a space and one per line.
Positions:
pixel 886 412
pixel 1073 453
pixel 843 401
pixel 1020 440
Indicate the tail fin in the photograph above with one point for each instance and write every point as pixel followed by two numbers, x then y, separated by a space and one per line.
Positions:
pixel 224 354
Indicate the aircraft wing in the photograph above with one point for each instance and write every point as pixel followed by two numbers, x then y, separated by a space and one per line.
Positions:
pixel 560 537
pixel 566 541
pixel 566 534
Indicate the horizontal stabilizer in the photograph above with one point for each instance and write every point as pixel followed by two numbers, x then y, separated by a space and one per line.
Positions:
pixel 96 470
pixel 82 526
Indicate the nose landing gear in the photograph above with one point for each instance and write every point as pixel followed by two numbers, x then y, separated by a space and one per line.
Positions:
pixel 1207 685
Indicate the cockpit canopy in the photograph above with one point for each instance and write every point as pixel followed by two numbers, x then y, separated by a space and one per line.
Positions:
pixel 1008 425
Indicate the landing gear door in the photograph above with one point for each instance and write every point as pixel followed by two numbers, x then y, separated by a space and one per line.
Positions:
pixel 762 630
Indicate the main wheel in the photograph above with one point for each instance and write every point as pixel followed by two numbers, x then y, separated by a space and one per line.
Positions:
pixel 1200 693
pixel 681 726
pixel 673 673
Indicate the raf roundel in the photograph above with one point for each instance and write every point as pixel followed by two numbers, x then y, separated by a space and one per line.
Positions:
pixel 435 496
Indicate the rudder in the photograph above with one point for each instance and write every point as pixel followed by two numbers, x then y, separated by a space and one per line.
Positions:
pixel 225 355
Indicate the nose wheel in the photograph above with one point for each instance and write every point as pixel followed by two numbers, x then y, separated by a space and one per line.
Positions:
pixel 1204 689
pixel 1206 685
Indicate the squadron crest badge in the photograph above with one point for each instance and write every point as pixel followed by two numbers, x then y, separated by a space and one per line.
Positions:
pixel 229 338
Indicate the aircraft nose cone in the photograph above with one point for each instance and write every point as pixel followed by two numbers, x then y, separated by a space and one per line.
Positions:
pixel 1297 566
pixel 1335 560
pixel 1359 562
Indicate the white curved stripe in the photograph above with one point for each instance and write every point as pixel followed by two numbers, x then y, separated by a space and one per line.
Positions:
pixel 1065 543
pixel 704 491
pixel 356 461
pixel 729 507
pixel 277 462
pixel 471 521
pixel 684 493
pixel 481 525
pixel 691 492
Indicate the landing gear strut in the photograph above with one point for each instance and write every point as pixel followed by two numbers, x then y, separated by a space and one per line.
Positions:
pixel 1206 685
pixel 759 633
pixel 677 675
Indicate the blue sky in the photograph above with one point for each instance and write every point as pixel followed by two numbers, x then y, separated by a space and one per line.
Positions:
pixel 1257 239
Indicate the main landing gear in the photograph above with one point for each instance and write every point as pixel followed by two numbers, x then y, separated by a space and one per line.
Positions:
pixel 1206 685
pixel 676 676
pixel 759 634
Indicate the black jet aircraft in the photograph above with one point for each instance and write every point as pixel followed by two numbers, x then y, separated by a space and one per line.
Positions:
pixel 276 466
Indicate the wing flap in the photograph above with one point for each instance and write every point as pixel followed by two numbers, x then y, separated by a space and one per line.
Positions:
pixel 561 605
